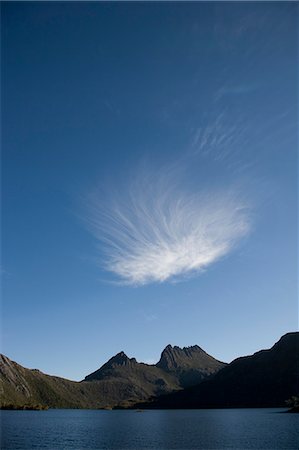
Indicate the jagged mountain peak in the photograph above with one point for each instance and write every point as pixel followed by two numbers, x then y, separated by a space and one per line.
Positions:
pixel 176 348
pixel 119 358
pixel 174 356
pixel 116 362
pixel 189 364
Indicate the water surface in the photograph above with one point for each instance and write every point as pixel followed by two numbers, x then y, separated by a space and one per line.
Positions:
pixel 165 429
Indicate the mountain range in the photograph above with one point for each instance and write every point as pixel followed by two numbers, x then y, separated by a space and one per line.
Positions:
pixel 121 382
pixel 183 378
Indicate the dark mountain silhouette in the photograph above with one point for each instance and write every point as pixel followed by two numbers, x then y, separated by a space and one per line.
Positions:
pixel 265 379
pixel 122 381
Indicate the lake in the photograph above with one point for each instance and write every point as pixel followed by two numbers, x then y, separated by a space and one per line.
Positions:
pixel 162 429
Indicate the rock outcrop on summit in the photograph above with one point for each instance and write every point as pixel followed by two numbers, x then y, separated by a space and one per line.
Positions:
pixel 190 365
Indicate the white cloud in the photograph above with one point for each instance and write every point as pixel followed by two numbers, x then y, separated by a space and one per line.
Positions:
pixel 155 230
pixel 220 138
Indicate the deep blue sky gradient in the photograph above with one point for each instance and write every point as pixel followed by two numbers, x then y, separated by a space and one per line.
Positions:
pixel 89 92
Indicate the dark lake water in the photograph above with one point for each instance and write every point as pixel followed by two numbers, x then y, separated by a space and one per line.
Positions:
pixel 181 429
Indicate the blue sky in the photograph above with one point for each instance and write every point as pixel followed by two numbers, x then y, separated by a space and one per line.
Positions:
pixel 149 185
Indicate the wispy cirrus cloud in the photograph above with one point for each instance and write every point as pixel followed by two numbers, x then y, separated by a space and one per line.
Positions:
pixel 238 89
pixel 220 138
pixel 155 230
